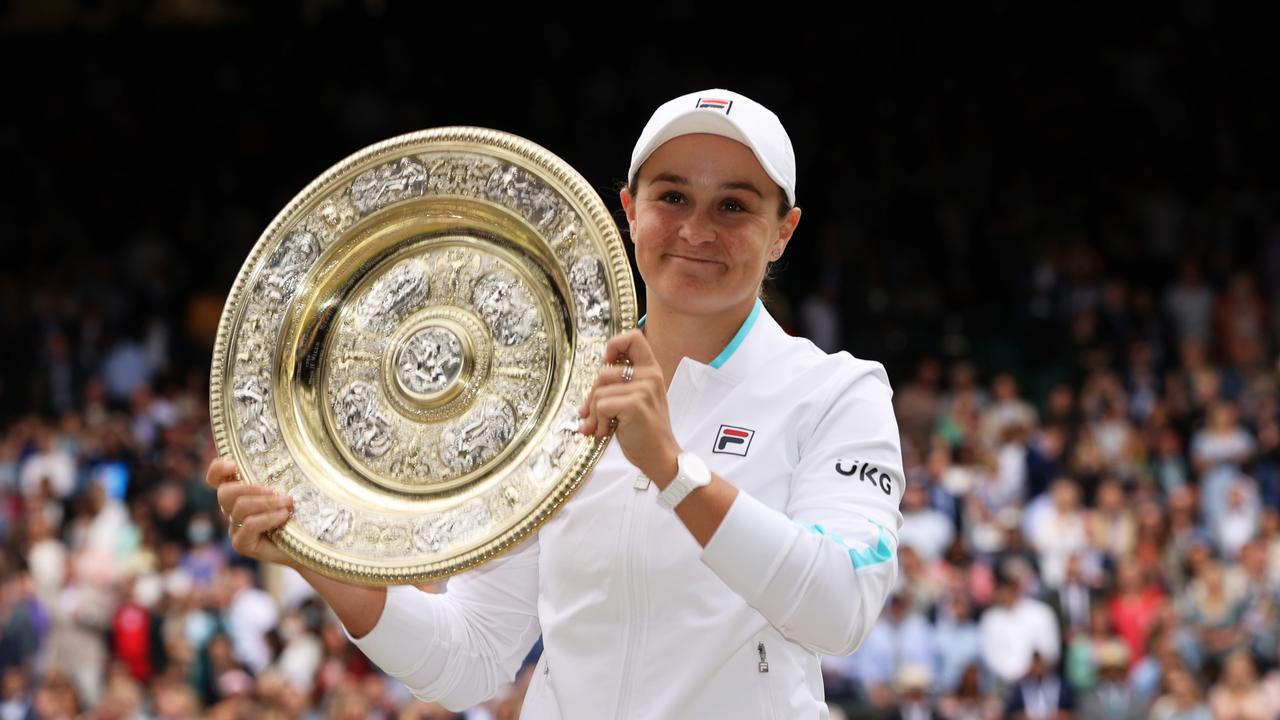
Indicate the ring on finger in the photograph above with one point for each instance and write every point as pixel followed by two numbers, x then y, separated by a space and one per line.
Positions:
pixel 628 372
pixel 613 423
pixel 236 525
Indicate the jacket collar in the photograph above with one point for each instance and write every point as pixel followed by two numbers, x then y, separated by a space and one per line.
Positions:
pixel 755 341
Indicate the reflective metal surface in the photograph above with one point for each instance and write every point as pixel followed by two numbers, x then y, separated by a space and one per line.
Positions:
pixel 406 346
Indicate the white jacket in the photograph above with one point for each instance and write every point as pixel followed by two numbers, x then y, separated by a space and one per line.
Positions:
pixel 637 620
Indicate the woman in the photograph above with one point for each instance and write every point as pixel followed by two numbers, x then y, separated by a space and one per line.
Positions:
pixel 782 464
pixel 1213 611
pixel 1182 701
pixel 1134 606
pixel 1239 695
pixel 967 701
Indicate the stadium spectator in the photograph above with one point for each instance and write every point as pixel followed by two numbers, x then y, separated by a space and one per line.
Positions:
pixel 1040 695
pixel 968 701
pixel 958 641
pixel 1113 698
pixel 1017 631
pixel 1182 701
pixel 1239 693
pixel 924 529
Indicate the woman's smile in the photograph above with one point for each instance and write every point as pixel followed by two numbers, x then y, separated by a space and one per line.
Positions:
pixel 694 260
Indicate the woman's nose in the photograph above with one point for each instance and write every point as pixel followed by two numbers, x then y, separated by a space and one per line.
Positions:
pixel 697 228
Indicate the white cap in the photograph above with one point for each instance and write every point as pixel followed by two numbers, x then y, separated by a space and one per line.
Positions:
pixel 722 112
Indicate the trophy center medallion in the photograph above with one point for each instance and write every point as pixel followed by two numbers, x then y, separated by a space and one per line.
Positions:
pixel 429 363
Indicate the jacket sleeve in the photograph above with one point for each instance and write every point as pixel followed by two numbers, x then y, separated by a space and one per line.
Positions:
pixel 460 647
pixel 821 571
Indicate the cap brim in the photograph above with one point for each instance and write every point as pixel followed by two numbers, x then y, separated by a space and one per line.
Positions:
pixel 701 121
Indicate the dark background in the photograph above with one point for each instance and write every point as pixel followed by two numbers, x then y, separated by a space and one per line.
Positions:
pixel 943 152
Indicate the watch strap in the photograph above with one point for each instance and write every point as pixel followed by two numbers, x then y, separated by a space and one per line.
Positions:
pixel 691 474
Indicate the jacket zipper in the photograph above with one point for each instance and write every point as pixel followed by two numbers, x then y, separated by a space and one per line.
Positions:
pixel 762 671
pixel 633 591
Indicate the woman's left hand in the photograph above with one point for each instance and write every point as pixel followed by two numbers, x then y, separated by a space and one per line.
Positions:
pixel 643 427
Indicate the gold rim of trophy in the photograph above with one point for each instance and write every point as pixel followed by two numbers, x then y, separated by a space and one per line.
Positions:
pixel 405 348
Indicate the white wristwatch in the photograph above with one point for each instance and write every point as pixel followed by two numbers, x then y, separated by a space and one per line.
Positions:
pixel 691 474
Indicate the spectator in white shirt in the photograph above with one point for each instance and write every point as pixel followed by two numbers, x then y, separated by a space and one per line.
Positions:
pixel 50 464
pixel 1006 409
pixel 1014 630
pixel 250 614
pixel 1239 520
pixel 1219 452
pixel 925 529
pixel 1190 304
pixel 1059 532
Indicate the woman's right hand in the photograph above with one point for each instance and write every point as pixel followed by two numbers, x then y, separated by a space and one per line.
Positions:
pixel 258 511
pixel 252 512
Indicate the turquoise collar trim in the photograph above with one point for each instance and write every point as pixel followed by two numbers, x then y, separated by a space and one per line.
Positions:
pixel 732 347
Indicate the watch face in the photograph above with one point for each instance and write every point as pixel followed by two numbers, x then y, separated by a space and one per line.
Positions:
pixel 691 467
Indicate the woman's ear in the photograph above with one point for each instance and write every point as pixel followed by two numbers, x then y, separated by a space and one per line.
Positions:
pixel 786 229
pixel 629 208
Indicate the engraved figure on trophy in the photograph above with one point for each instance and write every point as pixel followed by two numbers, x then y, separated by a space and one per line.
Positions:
pixel 367 430
pixel 502 301
pixel 323 518
pixel 590 294
pixel 258 430
pixel 287 265
pixel 454 175
pixel 388 183
pixel 478 436
pixel 392 296
pixel 516 189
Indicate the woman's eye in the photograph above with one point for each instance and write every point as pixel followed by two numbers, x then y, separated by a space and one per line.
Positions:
pixel 733 206
pixel 672 197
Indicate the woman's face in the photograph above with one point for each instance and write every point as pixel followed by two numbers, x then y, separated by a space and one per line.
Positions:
pixel 1239 671
pixel 705 224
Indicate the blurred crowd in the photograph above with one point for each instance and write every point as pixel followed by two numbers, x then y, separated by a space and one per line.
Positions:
pixel 1110 548
pixel 119 594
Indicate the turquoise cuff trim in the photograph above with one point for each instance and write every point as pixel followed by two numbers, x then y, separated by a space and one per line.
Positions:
pixel 732 347
pixel 860 558
pixel 729 350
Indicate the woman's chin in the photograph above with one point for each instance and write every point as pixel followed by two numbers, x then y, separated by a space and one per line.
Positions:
pixel 692 298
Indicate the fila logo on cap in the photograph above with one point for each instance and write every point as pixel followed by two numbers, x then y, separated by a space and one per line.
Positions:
pixel 714 104
pixel 733 440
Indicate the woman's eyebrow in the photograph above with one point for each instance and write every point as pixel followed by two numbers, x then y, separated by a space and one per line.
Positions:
pixel 668 177
pixel 681 180
pixel 742 185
